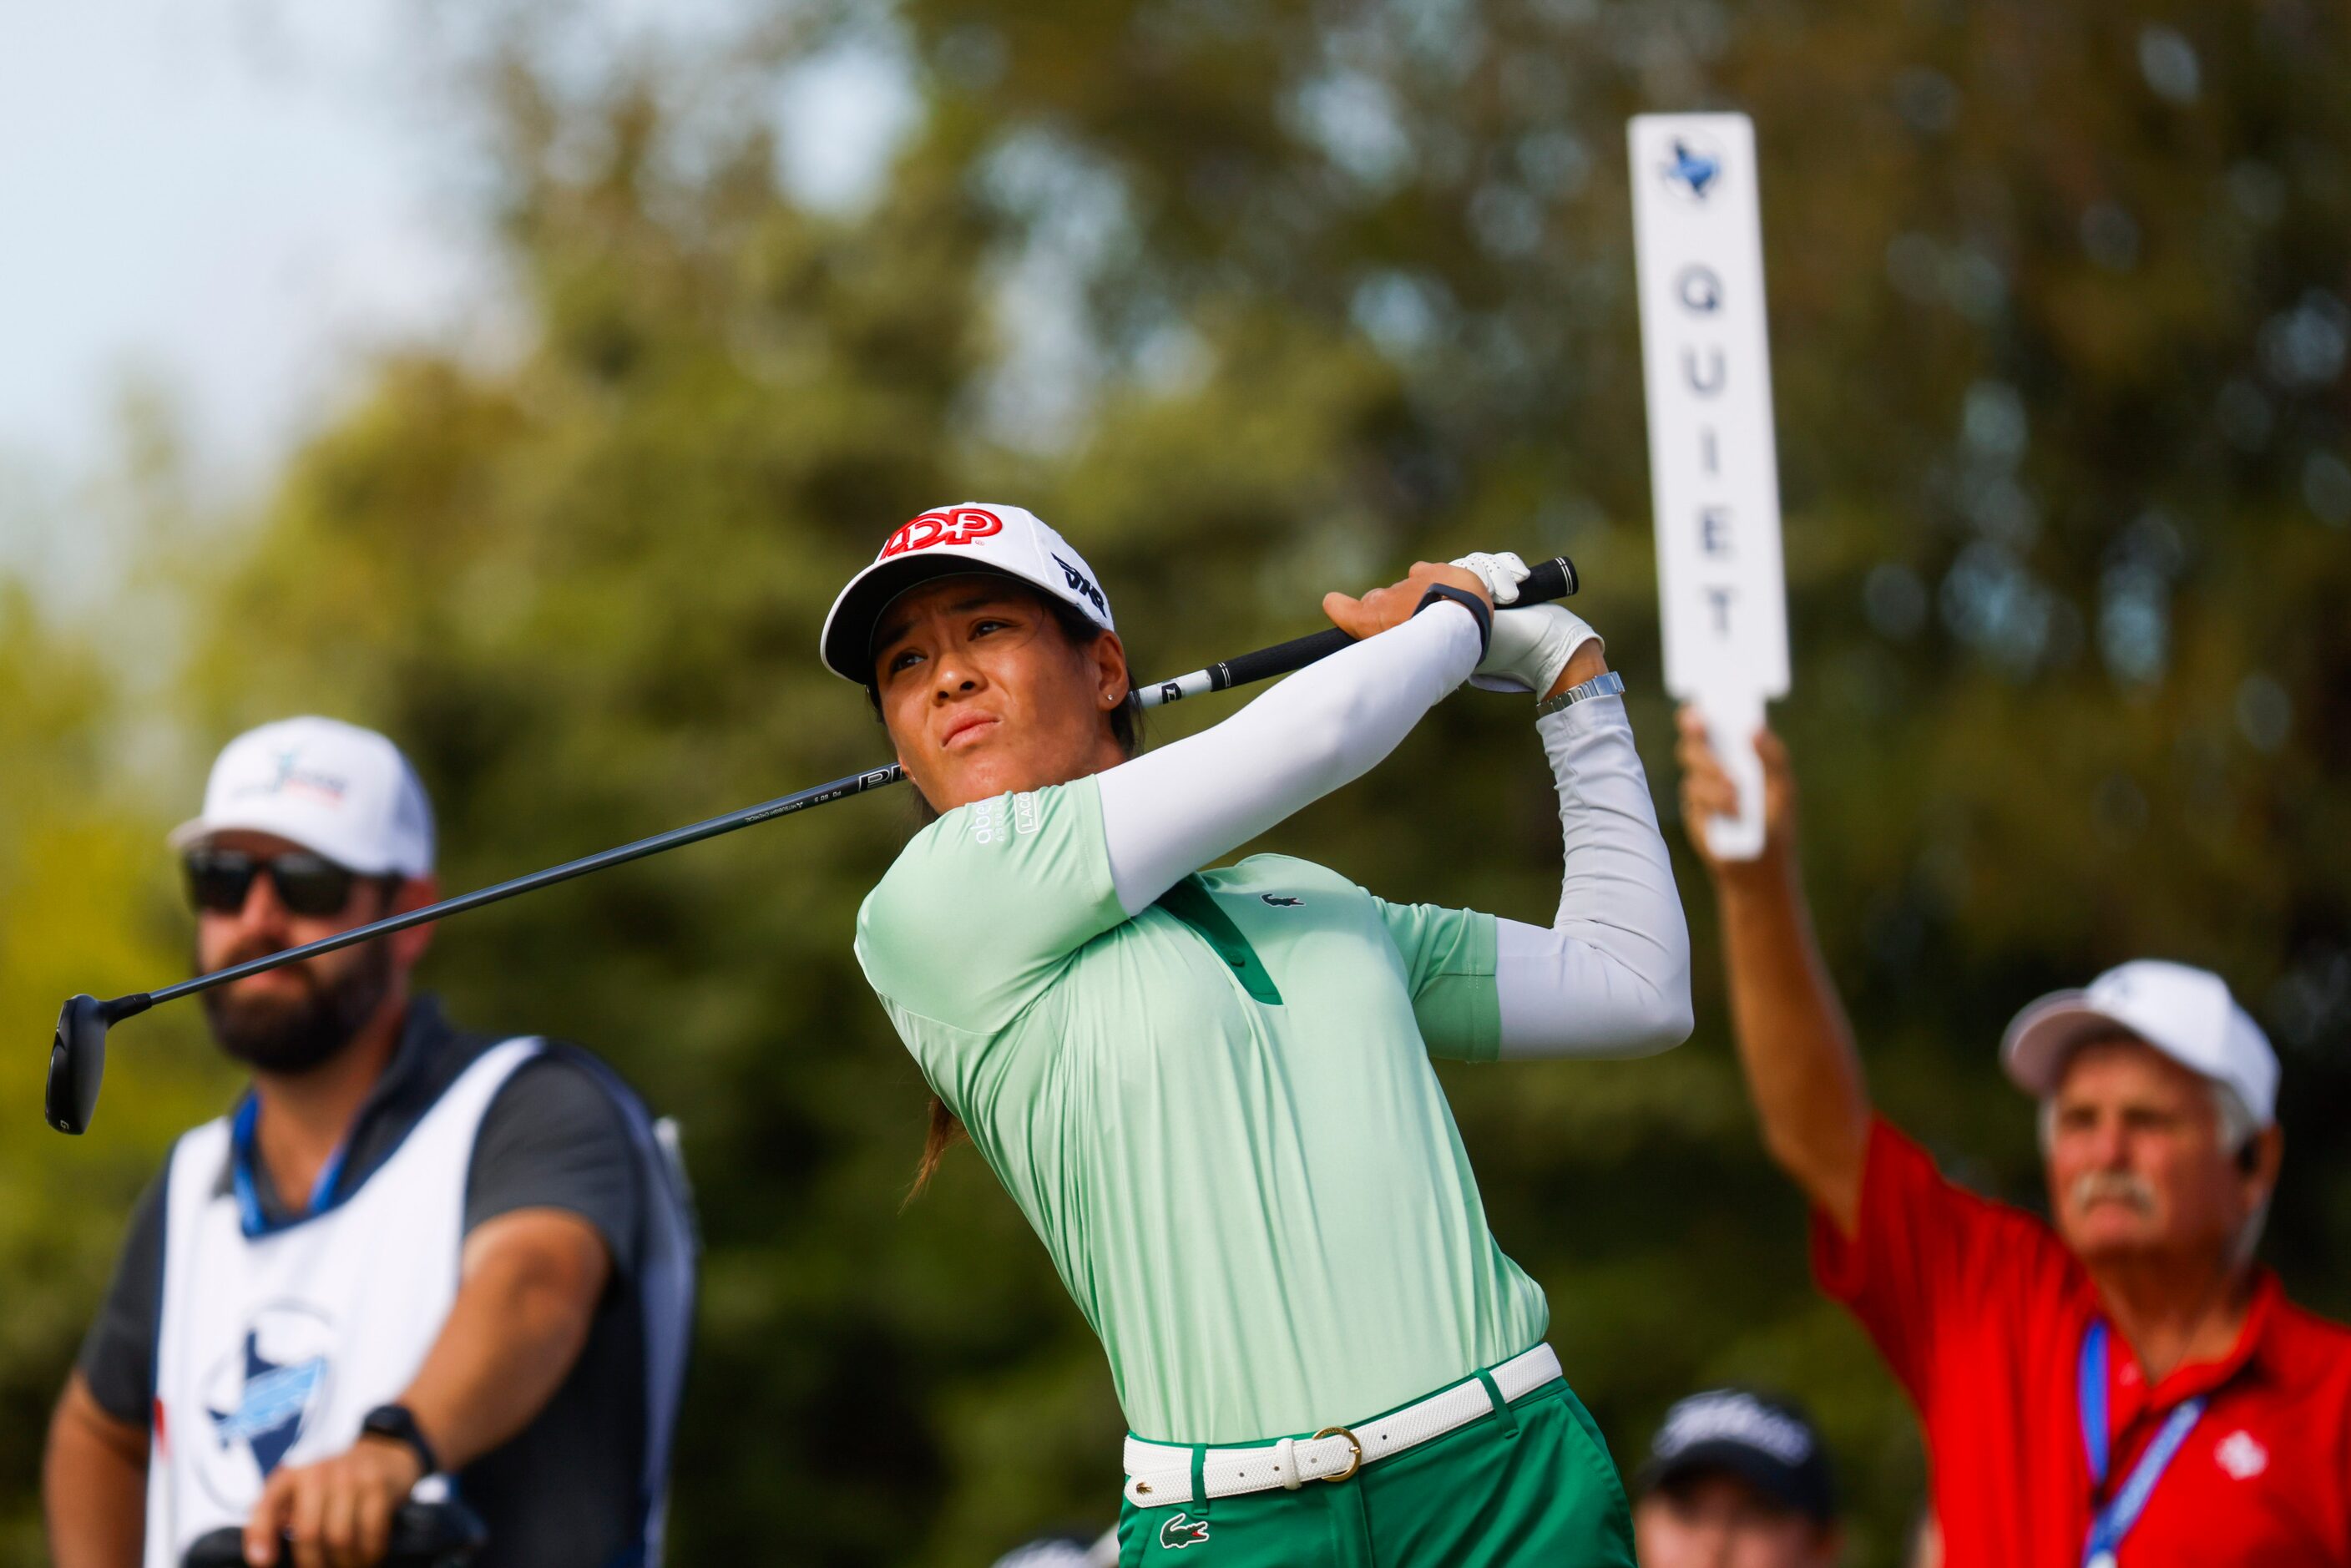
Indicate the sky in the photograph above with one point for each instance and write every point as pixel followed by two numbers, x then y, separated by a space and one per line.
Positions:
pixel 217 201
pixel 231 202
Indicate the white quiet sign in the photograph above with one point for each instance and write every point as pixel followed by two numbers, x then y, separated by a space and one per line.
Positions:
pixel 1698 243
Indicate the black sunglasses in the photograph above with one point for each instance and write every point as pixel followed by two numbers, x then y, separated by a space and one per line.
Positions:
pixel 220 880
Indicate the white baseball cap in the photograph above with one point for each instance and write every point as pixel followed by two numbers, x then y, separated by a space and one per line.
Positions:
pixel 2185 1013
pixel 971 536
pixel 338 790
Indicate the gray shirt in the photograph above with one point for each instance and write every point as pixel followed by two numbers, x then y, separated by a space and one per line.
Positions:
pixel 565 1489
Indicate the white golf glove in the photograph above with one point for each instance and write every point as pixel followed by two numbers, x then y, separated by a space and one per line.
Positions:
pixel 1529 647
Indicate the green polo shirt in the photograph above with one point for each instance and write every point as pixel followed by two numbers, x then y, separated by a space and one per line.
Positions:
pixel 1219 1115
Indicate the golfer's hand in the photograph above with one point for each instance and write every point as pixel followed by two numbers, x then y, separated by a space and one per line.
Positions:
pixel 336 1513
pixel 1708 792
pixel 1533 647
pixel 1393 606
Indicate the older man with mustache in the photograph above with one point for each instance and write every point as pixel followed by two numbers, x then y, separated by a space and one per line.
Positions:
pixel 2118 1387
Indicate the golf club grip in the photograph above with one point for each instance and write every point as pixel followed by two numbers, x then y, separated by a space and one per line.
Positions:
pixel 423 1535
pixel 1265 664
pixel 1546 581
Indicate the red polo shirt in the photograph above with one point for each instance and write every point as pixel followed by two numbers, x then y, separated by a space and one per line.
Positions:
pixel 1980 1311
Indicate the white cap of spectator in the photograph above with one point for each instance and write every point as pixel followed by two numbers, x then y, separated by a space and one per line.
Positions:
pixel 2185 1013
pixel 339 791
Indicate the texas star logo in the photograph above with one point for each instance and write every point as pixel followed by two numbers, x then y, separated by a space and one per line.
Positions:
pixel 260 1399
pixel 2241 1455
pixel 1695 167
pixel 1183 1530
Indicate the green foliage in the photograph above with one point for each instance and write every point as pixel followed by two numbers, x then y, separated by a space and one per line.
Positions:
pixel 85 905
pixel 1350 286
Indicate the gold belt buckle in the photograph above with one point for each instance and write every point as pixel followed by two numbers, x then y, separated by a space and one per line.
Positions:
pixel 1354 1464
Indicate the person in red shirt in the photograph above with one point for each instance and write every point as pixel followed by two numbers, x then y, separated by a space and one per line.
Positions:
pixel 2121 1386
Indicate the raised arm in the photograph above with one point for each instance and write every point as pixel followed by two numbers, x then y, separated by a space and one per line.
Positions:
pixel 1609 975
pixel 1794 1043
pixel 1171 811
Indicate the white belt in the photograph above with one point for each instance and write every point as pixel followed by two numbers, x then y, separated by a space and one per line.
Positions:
pixel 1159 1474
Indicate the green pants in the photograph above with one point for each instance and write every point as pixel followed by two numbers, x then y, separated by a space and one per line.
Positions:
pixel 1531 1483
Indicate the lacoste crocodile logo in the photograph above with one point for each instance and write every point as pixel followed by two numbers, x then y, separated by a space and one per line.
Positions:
pixel 1279 901
pixel 1181 1532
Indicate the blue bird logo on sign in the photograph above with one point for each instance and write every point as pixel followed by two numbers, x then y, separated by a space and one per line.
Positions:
pixel 1694 169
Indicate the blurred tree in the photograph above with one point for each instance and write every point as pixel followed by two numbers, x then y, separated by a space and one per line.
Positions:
pixel 1255 301
pixel 82 907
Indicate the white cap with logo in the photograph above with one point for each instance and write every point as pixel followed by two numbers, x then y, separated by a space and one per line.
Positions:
pixel 972 536
pixel 338 790
pixel 2185 1013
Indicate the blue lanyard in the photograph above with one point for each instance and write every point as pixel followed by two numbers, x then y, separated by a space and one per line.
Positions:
pixel 2115 1520
pixel 250 1218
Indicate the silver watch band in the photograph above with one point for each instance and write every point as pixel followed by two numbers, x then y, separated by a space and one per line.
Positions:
pixel 1607 684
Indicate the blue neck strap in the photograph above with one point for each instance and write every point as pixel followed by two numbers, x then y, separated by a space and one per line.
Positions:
pixel 250 1218
pixel 2113 1521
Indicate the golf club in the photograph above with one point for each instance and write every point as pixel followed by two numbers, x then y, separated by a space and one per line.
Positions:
pixel 78 1059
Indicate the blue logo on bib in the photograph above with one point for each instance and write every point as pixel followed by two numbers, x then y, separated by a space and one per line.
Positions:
pixel 270 1405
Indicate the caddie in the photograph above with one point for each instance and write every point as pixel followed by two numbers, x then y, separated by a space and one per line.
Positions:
pixel 411 1257
pixel 1210 1090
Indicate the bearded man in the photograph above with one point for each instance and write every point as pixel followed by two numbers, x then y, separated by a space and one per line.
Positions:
pixel 410 1259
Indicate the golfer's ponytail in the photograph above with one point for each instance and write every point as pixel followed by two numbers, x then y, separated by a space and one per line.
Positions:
pixel 942 1136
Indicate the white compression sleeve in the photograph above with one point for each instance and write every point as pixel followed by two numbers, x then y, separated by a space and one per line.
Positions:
pixel 1171 811
pixel 1611 976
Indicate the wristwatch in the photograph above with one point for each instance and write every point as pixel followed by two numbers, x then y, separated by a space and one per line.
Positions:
pixel 1608 683
pixel 394 1421
pixel 1481 611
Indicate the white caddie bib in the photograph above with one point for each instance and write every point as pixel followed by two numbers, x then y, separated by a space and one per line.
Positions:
pixel 271 1348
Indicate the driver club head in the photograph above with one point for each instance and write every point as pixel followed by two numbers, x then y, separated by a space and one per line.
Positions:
pixel 77 1063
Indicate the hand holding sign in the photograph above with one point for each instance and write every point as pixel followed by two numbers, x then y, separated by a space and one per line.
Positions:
pixel 1699 251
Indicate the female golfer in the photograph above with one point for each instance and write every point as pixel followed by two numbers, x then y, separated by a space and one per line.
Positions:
pixel 1210 1090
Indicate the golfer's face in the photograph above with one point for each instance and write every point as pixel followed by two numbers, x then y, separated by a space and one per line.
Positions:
pixel 2136 1164
pixel 983 693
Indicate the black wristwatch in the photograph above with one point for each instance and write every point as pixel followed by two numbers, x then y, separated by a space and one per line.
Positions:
pixel 1438 592
pixel 393 1421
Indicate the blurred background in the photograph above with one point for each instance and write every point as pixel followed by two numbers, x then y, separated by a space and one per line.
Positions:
pixel 523 381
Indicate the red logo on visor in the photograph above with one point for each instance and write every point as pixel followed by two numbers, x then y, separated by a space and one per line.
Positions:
pixel 949 526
